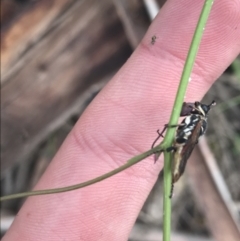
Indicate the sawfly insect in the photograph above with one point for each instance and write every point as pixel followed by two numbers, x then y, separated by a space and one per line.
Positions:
pixel 187 135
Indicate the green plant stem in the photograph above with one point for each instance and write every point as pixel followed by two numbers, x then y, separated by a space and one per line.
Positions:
pixel 128 164
pixel 168 140
pixel 167 205
pixel 236 67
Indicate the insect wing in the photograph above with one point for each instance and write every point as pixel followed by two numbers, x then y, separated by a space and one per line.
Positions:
pixel 189 146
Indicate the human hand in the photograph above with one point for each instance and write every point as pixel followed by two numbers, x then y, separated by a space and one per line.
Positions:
pixel 121 122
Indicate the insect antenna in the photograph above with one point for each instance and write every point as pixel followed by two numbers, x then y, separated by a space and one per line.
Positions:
pixel 212 104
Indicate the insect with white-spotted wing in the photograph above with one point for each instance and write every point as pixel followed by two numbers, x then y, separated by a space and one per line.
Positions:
pixel 187 135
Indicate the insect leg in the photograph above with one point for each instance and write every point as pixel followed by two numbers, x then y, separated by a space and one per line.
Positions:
pixel 171 192
pixel 157 154
pixel 160 134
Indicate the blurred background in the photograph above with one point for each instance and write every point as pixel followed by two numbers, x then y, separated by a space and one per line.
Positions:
pixel 55 57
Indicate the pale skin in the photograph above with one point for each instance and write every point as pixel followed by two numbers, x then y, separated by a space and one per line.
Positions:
pixel 121 122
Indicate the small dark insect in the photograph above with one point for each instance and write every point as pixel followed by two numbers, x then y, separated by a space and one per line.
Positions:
pixel 154 37
pixel 187 135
